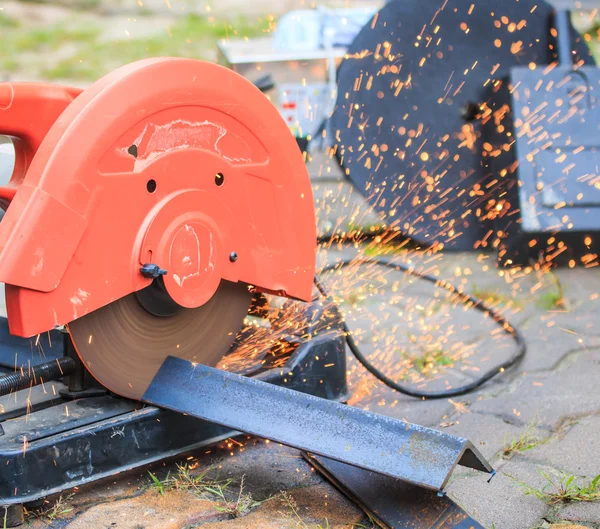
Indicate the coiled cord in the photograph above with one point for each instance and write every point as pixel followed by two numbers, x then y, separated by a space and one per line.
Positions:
pixel 465 298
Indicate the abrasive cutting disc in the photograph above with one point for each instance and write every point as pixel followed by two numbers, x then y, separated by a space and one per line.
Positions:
pixel 405 122
pixel 123 345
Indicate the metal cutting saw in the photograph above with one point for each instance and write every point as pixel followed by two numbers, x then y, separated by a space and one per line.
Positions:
pixel 144 210
pixel 144 217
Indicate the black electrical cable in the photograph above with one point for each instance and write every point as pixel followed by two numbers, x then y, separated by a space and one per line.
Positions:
pixel 465 298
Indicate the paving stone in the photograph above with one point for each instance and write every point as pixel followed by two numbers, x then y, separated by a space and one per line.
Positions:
pixel 267 467
pixel 380 399
pixel 502 502
pixel 316 506
pixel 576 452
pixel 545 353
pixel 581 512
pixel 566 526
pixel 173 510
pixel 550 396
pixel 488 433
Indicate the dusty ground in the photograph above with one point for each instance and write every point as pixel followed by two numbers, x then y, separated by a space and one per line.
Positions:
pixel 538 423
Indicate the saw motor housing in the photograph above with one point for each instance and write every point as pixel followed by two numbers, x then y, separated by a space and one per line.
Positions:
pixel 177 163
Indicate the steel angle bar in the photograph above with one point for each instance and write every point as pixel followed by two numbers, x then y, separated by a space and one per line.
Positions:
pixel 415 454
pixel 391 503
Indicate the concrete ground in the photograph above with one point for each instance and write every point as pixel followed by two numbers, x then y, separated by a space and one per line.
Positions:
pixel 537 422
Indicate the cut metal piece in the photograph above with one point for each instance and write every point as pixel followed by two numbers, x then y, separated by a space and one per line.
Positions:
pixel 391 503
pixel 419 455
pixel 123 345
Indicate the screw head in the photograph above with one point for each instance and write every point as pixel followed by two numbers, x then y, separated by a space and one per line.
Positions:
pixel 152 271
pixel 233 257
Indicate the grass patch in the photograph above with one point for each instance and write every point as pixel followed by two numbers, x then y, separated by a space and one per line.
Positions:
pixel 489 296
pixel 17 40
pixel 355 297
pixel 53 38
pixel 8 21
pixel 157 484
pixel 234 507
pixel 190 36
pixel 564 488
pixel 526 441
pixel 233 503
pixel 550 300
pixel 372 524
pixel 376 250
pixel 428 362
pixel 51 511
pixel 553 298
pixel 82 55
pixel 292 513
pixel 592 39
pixel 71 4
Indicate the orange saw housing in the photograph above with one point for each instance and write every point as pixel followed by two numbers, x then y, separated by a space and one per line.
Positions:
pixel 175 162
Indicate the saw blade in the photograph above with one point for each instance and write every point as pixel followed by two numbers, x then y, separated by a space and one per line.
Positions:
pixel 123 345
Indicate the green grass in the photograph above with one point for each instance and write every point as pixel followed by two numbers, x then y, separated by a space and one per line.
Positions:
pixel 232 503
pixel 425 363
pixel 376 250
pixel 190 36
pixel 17 40
pixel 526 441
pixel 8 22
pixel 51 511
pixel 53 38
pixel 371 525
pixel 71 4
pixel 550 300
pixel 489 296
pixel 564 488
pixel 553 298
pixel 84 56
pixel 236 506
pixel 157 484
pixel 293 514
pixel 594 43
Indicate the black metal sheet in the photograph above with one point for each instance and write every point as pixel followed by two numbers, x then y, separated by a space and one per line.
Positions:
pixel 391 503
pixel 388 446
pixel 398 128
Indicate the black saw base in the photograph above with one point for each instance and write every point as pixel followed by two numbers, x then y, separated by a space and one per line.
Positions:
pixel 53 439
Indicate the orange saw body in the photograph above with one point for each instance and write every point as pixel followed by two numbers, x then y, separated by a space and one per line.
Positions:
pixel 176 163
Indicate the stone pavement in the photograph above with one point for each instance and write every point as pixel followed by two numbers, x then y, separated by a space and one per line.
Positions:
pixel 550 404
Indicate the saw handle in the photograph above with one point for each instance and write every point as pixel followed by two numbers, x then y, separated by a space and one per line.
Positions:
pixel 27 111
